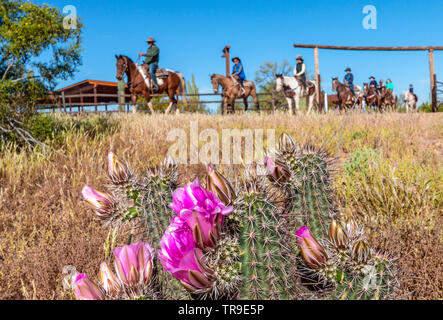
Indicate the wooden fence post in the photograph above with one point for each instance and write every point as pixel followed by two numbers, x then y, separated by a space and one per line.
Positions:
pixel 317 79
pixel 95 98
pixel 81 100
pixel 433 82
pixel 63 101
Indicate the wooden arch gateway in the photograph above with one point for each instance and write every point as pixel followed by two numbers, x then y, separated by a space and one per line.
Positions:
pixel 430 50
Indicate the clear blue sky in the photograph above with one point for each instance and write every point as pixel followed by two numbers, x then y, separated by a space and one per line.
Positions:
pixel 191 35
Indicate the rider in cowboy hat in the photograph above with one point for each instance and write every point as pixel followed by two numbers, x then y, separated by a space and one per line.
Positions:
pixel 238 72
pixel 300 72
pixel 373 82
pixel 349 80
pixel 152 58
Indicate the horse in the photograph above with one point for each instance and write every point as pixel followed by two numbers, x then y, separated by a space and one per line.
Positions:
pixel 344 94
pixel 231 91
pixel 410 100
pixel 371 96
pixel 293 91
pixel 388 99
pixel 173 84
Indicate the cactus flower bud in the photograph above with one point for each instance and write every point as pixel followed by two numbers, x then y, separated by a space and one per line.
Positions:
pixel 351 226
pixel 100 202
pixel 337 235
pixel 218 184
pixel 286 144
pixel 118 172
pixel 361 253
pixel 279 171
pixel 312 252
pixel 108 279
pixel 85 289
pixel 134 263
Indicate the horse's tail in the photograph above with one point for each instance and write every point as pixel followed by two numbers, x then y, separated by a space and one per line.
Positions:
pixel 183 88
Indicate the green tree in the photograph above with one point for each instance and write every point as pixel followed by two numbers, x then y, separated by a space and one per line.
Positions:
pixel 38 46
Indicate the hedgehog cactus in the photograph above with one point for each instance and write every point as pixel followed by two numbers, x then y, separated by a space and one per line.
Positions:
pixel 261 240
pixel 306 184
pixel 264 239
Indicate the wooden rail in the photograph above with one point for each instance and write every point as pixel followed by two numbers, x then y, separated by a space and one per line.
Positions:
pixel 65 103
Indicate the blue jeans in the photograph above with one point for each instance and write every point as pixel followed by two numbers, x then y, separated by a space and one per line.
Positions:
pixel 152 68
pixel 351 86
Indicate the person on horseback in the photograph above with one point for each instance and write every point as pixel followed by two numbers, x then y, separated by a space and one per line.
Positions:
pixel 411 88
pixel 389 85
pixel 152 59
pixel 238 72
pixel 300 72
pixel 373 82
pixel 349 80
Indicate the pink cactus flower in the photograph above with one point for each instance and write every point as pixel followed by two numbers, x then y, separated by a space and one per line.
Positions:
pixel 180 256
pixel 85 289
pixel 202 211
pixel 100 202
pixel 312 252
pixel 134 263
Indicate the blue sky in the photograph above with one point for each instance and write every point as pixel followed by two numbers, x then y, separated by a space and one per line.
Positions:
pixel 191 35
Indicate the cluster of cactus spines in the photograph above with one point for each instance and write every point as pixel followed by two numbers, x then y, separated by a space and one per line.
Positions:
pixel 254 225
pixel 344 266
pixel 309 195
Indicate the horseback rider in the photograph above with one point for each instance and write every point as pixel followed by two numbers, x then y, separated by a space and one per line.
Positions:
pixel 389 85
pixel 349 80
pixel 152 59
pixel 238 72
pixel 411 88
pixel 373 82
pixel 300 72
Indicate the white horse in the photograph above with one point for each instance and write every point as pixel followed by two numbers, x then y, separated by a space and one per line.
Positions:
pixel 410 100
pixel 293 91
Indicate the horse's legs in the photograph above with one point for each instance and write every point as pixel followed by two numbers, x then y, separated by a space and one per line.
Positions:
pixel 311 103
pixel 172 100
pixel 297 103
pixel 289 101
pixel 134 101
pixel 245 101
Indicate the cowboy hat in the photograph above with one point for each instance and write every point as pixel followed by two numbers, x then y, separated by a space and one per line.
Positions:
pixel 372 77
pixel 348 69
pixel 236 58
pixel 150 39
pixel 299 58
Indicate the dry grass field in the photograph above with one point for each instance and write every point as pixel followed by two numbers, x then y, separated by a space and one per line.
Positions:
pixel 389 173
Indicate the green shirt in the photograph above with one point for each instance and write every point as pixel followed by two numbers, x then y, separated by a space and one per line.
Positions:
pixel 152 56
pixel 390 85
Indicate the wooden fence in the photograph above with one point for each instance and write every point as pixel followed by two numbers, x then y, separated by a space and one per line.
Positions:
pixel 76 103
pixel 439 91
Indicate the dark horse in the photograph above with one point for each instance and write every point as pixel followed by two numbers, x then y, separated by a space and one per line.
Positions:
pixel 233 91
pixel 371 96
pixel 344 94
pixel 173 84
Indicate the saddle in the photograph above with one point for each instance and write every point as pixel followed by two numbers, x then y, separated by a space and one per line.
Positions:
pixel 161 73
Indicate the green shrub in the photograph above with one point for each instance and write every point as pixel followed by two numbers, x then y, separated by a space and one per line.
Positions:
pixel 359 161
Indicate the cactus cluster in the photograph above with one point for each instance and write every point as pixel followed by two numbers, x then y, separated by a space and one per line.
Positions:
pixel 274 233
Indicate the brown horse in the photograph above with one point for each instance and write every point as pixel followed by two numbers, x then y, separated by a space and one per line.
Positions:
pixel 232 91
pixel 344 94
pixel 173 84
pixel 372 98
pixel 388 100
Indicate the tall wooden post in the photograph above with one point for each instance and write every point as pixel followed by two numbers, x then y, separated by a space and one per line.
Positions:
pixel 64 101
pixel 433 84
pixel 121 95
pixel 227 56
pixel 317 79
pixel 95 98
pixel 81 99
